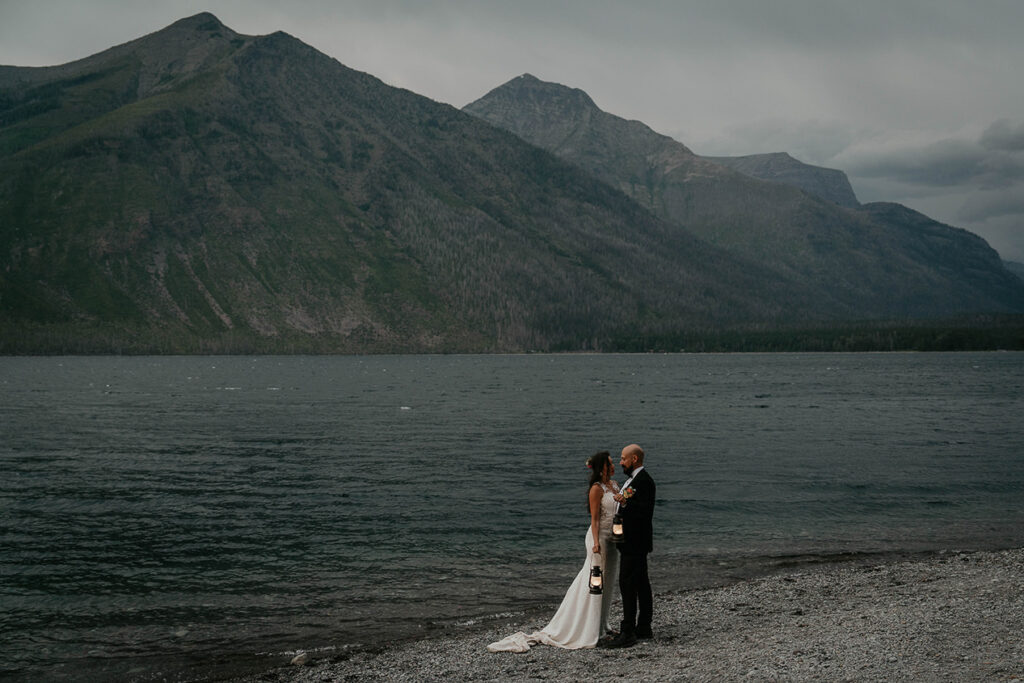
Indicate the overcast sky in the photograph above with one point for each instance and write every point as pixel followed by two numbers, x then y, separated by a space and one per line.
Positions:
pixel 919 101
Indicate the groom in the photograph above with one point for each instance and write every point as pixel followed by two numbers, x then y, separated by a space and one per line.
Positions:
pixel 637 512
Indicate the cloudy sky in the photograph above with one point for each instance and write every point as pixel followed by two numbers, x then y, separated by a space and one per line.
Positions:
pixel 919 101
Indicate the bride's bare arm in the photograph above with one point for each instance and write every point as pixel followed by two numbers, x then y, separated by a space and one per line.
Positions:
pixel 595 514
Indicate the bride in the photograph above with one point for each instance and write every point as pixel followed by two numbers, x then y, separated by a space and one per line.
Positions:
pixel 583 617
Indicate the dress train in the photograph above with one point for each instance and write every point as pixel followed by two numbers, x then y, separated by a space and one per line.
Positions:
pixel 582 617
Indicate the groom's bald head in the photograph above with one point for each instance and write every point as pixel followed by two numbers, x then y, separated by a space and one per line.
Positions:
pixel 633 451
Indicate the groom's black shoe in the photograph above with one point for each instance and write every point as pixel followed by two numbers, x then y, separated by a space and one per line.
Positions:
pixel 644 633
pixel 624 639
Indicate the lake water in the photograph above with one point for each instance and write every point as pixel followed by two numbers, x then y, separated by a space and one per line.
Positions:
pixel 187 516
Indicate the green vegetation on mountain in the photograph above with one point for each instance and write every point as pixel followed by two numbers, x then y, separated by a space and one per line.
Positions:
pixel 199 190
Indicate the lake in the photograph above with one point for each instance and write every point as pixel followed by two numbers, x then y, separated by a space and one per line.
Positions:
pixel 204 515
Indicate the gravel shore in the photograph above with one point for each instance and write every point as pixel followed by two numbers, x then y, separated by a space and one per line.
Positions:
pixel 950 617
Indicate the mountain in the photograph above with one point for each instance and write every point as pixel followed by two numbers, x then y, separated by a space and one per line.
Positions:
pixel 869 262
pixel 1015 268
pixel 201 190
pixel 827 183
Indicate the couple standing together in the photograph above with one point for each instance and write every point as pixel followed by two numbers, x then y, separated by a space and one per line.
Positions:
pixel 582 619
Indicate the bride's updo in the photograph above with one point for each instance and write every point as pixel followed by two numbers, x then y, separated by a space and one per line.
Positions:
pixel 597 462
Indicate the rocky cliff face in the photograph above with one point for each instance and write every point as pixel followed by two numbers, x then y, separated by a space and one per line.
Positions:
pixel 859 263
pixel 780 167
pixel 198 189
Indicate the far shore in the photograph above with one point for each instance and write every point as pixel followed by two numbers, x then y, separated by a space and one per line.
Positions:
pixel 947 617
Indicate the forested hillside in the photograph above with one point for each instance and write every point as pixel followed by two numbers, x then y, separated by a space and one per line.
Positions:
pixel 197 189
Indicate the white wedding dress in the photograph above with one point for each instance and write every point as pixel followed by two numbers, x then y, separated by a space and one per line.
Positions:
pixel 582 617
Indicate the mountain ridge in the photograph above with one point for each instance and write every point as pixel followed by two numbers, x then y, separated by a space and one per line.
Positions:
pixel 859 262
pixel 158 46
pixel 827 183
pixel 197 189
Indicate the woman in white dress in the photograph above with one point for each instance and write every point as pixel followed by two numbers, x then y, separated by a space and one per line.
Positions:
pixel 583 616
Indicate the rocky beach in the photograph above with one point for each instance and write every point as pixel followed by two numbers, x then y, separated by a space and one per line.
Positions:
pixel 945 617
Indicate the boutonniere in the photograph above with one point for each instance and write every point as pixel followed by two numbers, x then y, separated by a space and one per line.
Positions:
pixel 628 493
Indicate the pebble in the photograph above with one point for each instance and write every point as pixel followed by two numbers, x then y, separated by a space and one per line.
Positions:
pixel 942 618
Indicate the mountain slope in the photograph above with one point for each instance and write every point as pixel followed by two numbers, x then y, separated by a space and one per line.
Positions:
pixel 858 262
pixel 197 189
pixel 827 183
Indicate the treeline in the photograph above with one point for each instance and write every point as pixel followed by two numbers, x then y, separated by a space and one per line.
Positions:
pixel 1004 333
pixel 73 339
pixel 991 334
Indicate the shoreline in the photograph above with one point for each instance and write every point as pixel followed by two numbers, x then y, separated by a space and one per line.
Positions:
pixel 944 616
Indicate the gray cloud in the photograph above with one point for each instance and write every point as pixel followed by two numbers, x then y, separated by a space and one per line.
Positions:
pixel 814 142
pixel 982 206
pixel 1003 135
pixel 945 163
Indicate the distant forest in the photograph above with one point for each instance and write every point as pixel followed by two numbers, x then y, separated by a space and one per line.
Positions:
pixel 987 333
pixel 990 333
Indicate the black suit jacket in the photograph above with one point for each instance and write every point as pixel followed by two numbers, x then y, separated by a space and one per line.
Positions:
pixel 638 517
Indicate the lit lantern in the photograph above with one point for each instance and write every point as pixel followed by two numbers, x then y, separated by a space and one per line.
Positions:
pixel 617 534
pixel 595 579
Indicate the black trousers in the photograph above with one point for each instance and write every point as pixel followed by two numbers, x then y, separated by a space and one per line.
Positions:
pixel 635 587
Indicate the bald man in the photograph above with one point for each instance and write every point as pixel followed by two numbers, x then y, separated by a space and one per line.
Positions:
pixel 637 511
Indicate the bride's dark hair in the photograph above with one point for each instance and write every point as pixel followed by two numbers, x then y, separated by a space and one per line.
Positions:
pixel 597 463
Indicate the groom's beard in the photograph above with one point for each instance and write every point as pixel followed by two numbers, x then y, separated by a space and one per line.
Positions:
pixel 627 470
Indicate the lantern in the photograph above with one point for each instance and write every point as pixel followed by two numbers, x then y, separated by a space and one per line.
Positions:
pixel 617 534
pixel 595 578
